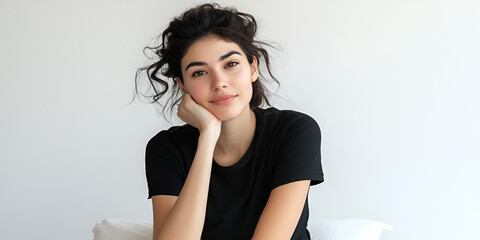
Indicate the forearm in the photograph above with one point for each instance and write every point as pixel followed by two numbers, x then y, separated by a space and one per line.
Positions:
pixel 186 219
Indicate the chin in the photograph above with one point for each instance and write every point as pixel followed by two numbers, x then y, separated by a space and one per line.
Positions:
pixel 224 116
pixel 227 113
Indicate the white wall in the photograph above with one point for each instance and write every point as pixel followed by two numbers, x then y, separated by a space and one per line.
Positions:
pixel 393 84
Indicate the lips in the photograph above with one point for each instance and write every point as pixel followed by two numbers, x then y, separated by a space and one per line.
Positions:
pixel 223 99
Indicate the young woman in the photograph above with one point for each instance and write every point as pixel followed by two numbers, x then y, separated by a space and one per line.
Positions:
pixel 234 170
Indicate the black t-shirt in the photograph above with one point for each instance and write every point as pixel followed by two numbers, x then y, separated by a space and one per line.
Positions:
pixel 285 148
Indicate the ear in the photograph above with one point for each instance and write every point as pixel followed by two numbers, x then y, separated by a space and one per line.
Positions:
pixel 254 69
pixel 180 84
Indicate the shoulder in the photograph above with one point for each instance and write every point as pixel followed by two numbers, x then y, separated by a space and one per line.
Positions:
pixel 287 119
pixel 173 137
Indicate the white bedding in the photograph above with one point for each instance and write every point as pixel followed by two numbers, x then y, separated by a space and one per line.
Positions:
pixel 340 229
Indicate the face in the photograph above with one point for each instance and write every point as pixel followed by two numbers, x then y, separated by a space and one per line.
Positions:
pixel 218 76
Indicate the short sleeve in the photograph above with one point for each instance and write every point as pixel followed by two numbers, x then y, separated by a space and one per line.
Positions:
pixel 299 154
pixel 164 172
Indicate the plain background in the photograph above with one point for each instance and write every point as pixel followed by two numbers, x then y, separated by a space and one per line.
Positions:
pixel 394 85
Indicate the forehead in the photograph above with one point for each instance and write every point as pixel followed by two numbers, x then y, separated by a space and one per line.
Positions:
pixel 209 49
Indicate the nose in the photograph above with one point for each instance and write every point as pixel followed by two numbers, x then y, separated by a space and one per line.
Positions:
pixel 219 81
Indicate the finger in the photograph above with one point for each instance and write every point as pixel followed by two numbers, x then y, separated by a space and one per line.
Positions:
pixel 184 99
pixel 188 98
pixel 180 116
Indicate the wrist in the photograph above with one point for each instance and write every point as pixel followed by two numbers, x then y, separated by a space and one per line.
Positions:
pixel 211 132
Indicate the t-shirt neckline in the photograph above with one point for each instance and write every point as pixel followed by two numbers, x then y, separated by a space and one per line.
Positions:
pixel 251 149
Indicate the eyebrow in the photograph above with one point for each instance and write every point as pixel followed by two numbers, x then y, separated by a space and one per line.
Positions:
pixel 223 57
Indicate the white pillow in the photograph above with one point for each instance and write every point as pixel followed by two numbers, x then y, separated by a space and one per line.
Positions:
pixel 347 229
pixel 342 229
pixel 120 229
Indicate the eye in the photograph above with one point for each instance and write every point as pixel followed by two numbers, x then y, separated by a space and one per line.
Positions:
pixel 198 73
pixel 232 64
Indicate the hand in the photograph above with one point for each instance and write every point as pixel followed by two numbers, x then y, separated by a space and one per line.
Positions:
pixel 194 114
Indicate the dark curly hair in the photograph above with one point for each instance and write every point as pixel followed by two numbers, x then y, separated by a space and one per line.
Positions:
pixel 183 31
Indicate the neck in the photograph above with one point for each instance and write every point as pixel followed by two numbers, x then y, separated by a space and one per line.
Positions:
pixel 235 138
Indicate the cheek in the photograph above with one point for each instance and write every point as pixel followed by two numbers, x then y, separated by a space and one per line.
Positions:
pixel 194 92
pixel 243 77
pixel 245 81
pixel 197 91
